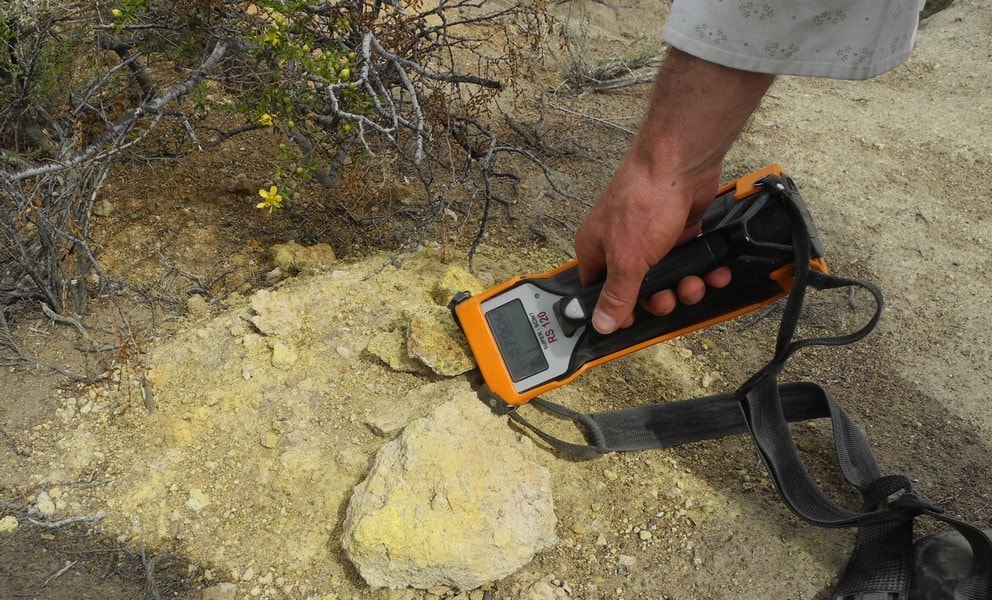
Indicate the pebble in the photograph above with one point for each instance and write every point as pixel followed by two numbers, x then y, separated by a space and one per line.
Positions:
pixel 387 425
pixel 103 208
pixel 197 306
pixel 221 591
pixel 453 281
pixel 8 524
pixel 197 500
pixel 283 357
pixel 710 378
pixel 434 339
pixel 45 505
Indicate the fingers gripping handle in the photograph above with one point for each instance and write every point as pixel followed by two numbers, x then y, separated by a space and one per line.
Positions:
pixel 696 257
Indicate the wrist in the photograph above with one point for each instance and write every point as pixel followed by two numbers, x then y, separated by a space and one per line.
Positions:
pixel 697 111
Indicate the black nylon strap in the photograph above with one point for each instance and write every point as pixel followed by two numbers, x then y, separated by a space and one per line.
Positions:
pixel 881 563
pixel 669 424
pixel 770 432
pixel 676 423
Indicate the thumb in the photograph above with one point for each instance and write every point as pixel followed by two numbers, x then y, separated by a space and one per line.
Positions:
pixel 616 302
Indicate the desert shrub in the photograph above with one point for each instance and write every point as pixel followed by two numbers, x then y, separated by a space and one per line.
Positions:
pixel 82 85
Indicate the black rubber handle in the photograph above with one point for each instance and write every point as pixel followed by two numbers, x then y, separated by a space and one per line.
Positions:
pixel 756 227
pixel 695 257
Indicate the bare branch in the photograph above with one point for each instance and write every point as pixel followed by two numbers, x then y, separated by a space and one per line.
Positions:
pixel 114 135
pixel 69 521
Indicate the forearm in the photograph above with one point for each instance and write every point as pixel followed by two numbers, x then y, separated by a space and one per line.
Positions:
pixel 697 111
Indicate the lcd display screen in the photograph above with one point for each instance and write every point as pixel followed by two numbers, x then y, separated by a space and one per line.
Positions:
pixel 516 340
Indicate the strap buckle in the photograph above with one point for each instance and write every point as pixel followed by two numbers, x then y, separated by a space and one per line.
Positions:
pixel 910 500
pixel 878 595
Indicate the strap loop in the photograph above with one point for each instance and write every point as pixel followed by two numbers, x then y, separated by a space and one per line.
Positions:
pixel 880 490
pixel 911 501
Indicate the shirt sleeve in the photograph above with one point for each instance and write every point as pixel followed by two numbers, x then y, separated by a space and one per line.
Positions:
pixel 842 39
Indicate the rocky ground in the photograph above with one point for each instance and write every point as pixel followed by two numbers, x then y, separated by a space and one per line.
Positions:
pixel 224 448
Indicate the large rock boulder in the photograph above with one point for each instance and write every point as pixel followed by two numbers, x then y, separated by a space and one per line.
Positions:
pixel 457 499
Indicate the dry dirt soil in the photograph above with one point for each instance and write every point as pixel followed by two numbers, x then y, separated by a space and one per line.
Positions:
pixel 897 172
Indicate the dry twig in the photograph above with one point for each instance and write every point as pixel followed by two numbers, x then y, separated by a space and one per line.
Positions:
pixel 68 521
pixel 60 572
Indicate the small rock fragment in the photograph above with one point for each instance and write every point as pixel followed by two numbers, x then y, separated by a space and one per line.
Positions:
pixel 45 504
pixel 433 338
pixel 293 257
pixel 283 357
pixel 387 425
pixel 314 257
pixel 390 348
pixel 275 313
pixel 456 279
pixel 284 256
pixel 197 306
pixel 197 500
pixel 103 208
pixel 8 524
pixel 221 591
pixel 544 590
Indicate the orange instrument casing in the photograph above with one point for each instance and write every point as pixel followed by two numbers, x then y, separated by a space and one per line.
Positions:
pixel 531 334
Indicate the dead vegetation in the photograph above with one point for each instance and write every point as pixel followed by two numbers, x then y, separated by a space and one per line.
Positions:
pixel 347 84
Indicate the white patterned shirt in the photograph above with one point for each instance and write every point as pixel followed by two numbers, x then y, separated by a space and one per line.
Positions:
pixel 843 39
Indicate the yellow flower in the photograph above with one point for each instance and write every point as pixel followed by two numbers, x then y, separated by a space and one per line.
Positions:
pixel 272 37
pixel 118 13
pixel 270 199
pixel 266 120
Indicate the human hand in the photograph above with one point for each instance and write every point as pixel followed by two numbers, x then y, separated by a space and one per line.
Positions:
pixel 639 217
pixel 670 175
